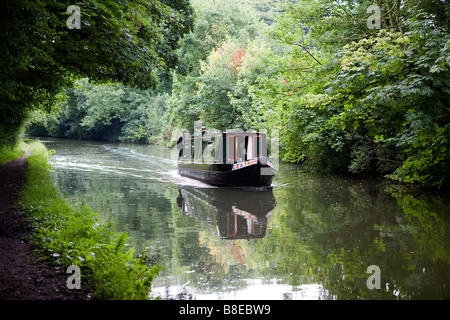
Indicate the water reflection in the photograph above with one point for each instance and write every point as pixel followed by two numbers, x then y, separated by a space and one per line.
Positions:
pixel 240 213
pixel 310 237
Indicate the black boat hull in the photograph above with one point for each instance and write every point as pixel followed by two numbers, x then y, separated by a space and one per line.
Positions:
pixel 224 175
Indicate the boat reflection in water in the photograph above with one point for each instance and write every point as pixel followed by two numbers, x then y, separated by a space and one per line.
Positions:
pixel 239 213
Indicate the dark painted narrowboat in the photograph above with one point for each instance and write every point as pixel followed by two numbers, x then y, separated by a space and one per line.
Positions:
pixel 226 159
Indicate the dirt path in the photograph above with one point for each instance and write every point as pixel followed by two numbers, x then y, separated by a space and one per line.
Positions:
pixel 22 275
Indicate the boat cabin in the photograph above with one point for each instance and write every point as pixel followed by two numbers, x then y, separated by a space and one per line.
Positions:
pixel 224 147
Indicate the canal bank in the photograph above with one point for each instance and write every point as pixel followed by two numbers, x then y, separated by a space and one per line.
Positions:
pixel 23 276
pixel 44 234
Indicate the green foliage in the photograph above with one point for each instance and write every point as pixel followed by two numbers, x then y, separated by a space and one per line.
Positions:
pixel 333 24
pixel 69 234
pixel 213 54
pixel 41 124
pixel 126 41
pixel 394 90
pixel 379 105
pixel 7 153
pixel 429 158
pixel 103 112
pixel 144 117
pixel 214 85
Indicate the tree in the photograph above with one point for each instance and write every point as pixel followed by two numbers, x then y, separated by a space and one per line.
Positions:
pixel 218 77
pixel 126 41
pixel 336 23
pixel 111 112
pixel 218 24
pixel 378 105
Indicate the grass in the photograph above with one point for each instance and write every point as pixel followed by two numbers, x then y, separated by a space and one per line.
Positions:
pixel 68 234
pixel 10 153
pixel 7 153
pixel 33 146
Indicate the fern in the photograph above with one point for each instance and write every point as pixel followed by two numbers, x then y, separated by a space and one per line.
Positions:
pixel 129 254
pixel 120 245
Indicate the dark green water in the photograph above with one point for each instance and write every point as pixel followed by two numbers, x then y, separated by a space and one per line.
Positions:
pixel 309 237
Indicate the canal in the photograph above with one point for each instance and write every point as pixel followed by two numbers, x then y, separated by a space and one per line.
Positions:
pixel 307 237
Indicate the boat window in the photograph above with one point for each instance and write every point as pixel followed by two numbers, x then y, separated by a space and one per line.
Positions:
pixel 250 151
pixel 259 145
pixel 244 147
pixel 231 149
pixel 241 151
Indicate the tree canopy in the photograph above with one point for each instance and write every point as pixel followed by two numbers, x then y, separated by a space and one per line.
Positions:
pixel 352 99
pixel 125 41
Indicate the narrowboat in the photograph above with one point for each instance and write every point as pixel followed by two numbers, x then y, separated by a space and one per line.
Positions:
pixel 226 158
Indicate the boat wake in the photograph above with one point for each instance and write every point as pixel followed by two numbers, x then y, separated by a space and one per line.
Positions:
pixel 123 161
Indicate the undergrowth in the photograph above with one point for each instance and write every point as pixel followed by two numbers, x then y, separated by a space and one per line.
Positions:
pixel 68 234
pixel 8 153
